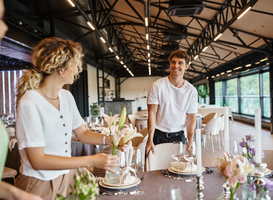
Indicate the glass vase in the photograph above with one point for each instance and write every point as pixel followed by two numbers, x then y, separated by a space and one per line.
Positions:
pixel 266 195
pixel 248 191
pixel 112 177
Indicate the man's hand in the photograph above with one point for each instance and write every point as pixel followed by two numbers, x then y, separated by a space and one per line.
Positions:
pixel 189 145
pixel 150 146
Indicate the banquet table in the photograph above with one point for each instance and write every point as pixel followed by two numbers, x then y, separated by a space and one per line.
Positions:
pixel 77 149
pixel 156 187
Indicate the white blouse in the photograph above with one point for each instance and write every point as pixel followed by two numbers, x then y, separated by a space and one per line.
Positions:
pixel 40 124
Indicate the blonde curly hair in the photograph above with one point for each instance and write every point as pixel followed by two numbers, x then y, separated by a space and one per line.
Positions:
pixel 49 56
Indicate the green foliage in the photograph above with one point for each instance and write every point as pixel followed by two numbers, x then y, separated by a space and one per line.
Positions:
pixel 205 93
pixel 94 109
pixel 85 188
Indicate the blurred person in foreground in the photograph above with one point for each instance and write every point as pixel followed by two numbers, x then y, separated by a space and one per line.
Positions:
pixel 172 105
pixel 46 117
pixel 8 191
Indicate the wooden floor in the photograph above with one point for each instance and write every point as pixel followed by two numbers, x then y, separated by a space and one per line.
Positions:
pixel 237 131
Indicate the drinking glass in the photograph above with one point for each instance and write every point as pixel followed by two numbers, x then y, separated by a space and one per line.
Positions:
pixel 190 156
pixel 95 124
pixel 137 165
pixel 177 150
pixel 122 169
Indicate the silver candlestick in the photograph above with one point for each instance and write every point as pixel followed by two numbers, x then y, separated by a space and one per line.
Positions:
pixel 259 182
pixel 200 188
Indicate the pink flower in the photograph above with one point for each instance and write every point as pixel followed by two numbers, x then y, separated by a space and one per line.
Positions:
pixel 110 120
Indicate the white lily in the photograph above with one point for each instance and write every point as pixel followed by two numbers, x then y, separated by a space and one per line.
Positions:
pixel 110 120
pixel 130 133
pixel 116 135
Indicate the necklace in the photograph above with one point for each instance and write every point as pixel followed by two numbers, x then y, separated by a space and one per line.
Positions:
pixel 47 96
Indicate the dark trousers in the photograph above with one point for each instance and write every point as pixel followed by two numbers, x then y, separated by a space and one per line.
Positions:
pixel 163 137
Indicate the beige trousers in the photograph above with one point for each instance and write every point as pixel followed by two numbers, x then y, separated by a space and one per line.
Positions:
pixel 46 189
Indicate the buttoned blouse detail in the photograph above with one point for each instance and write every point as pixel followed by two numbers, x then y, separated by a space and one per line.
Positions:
pixel 40 124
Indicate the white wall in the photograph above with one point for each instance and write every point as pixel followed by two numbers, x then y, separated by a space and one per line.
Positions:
pixel 135 88
pixel 92 85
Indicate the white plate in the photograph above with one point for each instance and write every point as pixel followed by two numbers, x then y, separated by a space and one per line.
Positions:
pixel 267 171
pixel 174 170
pixel 117 184
pixel 117 187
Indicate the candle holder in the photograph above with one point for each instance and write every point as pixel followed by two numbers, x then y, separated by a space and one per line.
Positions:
pixel 259 182
pixel 200 188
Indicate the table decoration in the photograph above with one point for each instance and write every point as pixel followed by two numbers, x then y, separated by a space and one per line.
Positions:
pixel 235 172
pixel 199 187
pixel 119 135
pixel 249 153
pixel 85 188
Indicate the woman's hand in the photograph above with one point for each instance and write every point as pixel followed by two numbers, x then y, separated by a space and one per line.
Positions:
pixel 105 161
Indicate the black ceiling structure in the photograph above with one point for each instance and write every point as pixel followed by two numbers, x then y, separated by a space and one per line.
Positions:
pixel 176 24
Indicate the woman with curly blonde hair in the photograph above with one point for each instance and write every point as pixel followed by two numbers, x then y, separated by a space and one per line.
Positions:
pixel 46 117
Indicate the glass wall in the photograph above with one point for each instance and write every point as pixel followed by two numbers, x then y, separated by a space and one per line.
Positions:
pixel 250 99
pixel 200 100
pixel 219 93
pixel 232 94
pixel 244 94
pixel 266 95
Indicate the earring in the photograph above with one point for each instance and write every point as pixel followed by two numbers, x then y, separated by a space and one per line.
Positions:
pixel 61 76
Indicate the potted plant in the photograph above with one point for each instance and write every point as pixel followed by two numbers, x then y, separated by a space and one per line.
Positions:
pixel 204 94
pixel 94 109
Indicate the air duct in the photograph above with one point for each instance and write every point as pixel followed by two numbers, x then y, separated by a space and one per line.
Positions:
pixel 184 8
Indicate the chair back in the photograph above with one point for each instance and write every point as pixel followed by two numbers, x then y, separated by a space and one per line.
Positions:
pixel 208 117
pixel 213 126
pixel 222 125
pixel 161 159
pixel 268 158
pixel 132 119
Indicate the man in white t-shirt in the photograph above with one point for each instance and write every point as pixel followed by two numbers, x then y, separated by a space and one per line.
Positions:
pixel 172 105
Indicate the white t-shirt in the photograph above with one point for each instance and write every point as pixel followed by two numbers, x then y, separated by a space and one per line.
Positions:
pixel 173 104
pixel 40 124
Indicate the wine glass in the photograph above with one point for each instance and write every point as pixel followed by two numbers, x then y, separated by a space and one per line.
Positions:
pixel 122 169
pixel 137 165
pixel 190 156
pixel 95 124
pixel 235 149
pixel 177 150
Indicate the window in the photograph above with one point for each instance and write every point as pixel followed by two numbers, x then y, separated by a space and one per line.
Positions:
pixel 219 93
pixel 250 94
pixel 200 100
pixel 8 81
pixel 232 94
pixel 266 95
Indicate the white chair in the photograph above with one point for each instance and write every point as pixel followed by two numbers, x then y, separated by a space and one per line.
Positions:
pixel 161 159
pixel 212 128
pixel 208 117
pixel 141 123
pixel 137 140
pixel 132 119
pixel 142 113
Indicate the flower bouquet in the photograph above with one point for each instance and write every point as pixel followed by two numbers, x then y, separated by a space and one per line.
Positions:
pixel 235 172
pixel 120 134
pixel 249 153
pixel 85 188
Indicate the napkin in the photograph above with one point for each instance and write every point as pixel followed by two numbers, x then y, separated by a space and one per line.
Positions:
pixel 12 143
pixel 183 167
pixel 128 179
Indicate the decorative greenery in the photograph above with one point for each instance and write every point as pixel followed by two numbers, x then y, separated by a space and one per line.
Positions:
pixel 203 94
pixel 85 188
pixel 94 109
